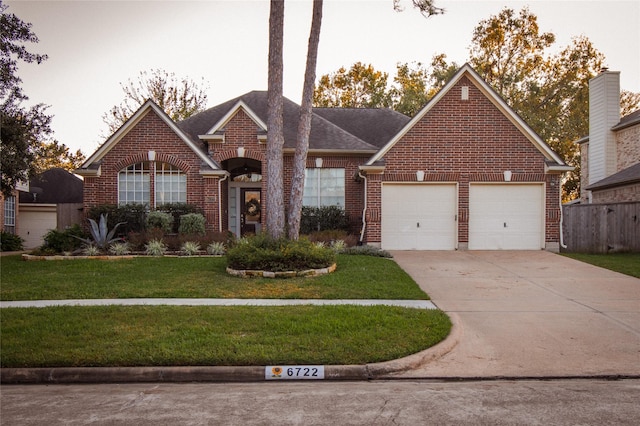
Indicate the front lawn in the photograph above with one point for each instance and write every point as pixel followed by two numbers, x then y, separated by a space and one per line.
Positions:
pixel 187 335
pixel 357 277
pixel 625 263
pixel 208 335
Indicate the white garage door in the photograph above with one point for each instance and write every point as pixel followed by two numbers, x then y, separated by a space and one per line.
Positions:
pixel 506 217
pixel 419 216
pixel 34 222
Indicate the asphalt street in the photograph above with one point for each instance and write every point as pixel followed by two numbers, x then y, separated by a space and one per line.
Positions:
pixel 405 402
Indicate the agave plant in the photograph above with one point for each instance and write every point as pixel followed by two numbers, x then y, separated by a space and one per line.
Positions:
pixel 101 236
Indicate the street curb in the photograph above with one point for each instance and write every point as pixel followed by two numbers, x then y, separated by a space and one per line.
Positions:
pixel 68 375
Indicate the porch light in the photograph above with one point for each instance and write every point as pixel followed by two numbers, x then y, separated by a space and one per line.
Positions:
pixel 507 175
pixel 152 155
pixel 420 175
pixel 240 151
pixel 319 162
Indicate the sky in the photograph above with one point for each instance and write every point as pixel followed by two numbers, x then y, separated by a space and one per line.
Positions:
pixel 94 46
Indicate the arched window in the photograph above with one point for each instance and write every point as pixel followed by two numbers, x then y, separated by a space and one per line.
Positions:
pixel 134 184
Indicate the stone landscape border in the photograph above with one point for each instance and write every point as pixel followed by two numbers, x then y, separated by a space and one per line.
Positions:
pixel 248 273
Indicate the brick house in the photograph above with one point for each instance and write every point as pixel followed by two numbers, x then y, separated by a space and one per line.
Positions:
pixel 465 173
pixel 610 155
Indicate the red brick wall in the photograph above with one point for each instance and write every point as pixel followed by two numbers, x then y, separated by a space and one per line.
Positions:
pixel 241 131
pixel 153 134
pixel 464 141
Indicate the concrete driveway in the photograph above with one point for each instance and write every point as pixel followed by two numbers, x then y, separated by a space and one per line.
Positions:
pixel 529 314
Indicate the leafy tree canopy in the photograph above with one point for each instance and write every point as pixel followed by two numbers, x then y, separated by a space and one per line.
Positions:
pixel 361 86
pixel 22 129
pixel 180 98
pixel 549 91
pixel 55 154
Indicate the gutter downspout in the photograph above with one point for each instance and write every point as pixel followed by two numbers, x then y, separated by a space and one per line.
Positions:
pixel 226 176
pixel 562 244
pixel 364 210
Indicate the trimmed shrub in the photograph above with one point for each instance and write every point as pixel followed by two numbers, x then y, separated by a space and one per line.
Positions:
pixel 330 235
pixel 367 251
pixel 323 218
pixel 10 242
pixel 192 224
pixel 277 255
pixel 68 240
pixel 176 210
pixel 160 220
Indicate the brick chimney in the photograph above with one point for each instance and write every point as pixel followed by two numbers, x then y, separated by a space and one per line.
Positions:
pixel 604 113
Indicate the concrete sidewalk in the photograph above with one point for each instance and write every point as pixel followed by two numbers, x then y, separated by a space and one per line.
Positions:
pixel 529 314
pixel 417 304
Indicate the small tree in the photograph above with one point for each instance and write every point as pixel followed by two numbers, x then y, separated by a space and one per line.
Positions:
pixel 22 130
pixel 180 98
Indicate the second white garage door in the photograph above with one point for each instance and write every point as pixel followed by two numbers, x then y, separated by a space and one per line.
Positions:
pixel 419 216
pixel 506 217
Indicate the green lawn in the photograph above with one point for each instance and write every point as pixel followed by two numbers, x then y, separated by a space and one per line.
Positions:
pixel 357 277
pixel 186 335
pixel 625 263
pixel 208 335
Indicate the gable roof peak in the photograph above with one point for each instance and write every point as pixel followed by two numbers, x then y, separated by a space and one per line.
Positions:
pixel 493 96
pixel 91 165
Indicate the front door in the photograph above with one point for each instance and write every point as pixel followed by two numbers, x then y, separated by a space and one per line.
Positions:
pixel 250 211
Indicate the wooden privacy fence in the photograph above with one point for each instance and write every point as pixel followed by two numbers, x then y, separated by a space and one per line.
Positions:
pixel 601 228
pixel 69 214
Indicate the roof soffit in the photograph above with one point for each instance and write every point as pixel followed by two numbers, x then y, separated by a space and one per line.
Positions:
pixel 493 97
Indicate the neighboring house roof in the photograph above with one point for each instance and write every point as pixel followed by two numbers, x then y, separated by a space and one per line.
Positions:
pixel 623 177
pixel 628 121
pixel 373 125
pixel 54 186
pixel 91 166
pixel 554 162
pixel 325 135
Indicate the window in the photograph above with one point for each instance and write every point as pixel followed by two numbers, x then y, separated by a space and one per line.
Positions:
pixel 170 184
pixel 10 215
pixel 134 183
pixel 323 187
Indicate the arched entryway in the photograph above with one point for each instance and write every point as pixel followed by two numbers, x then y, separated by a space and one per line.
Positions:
pixel 245 198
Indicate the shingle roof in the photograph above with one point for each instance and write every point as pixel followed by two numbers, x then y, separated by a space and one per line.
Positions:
pixel 623 177
pixel 373 125
pixel 325 135
pixel 54 186
pixel 628 120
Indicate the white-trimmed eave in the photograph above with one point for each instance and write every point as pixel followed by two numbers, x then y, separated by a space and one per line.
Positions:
pixel 225 119
pixel 524 128
pixel 558 168
pixel 130 124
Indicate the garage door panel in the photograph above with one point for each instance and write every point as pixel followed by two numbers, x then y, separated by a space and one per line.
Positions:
pixel 419 217
pixel 506 217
